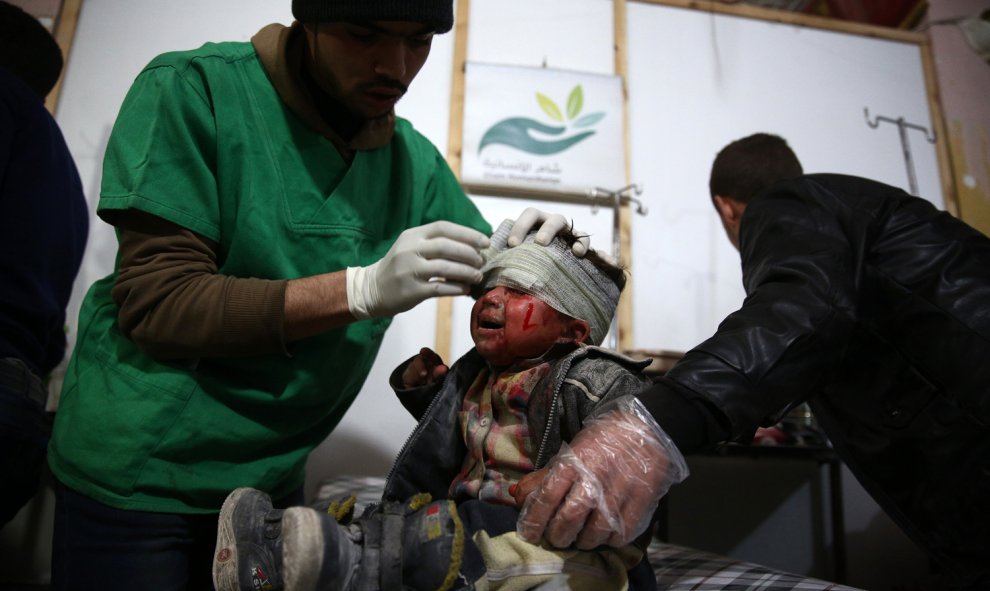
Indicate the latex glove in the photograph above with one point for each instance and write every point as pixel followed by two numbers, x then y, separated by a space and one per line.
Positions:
pixel 437 259
pixel 424 369
pixel 605 486
pixel 552 224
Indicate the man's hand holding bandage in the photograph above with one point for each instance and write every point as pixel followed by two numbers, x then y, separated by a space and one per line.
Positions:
pixel 551 225
pixel 436 259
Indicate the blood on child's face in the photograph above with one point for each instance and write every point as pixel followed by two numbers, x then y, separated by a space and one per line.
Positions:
pixel 509 325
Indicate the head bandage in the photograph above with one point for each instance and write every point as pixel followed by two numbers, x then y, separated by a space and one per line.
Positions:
pixel 568 284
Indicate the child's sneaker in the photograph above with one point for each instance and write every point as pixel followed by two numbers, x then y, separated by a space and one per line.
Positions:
pixel 413 545
pixel 249 543
pixel 317 552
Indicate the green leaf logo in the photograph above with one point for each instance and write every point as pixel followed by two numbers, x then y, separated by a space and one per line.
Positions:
pixel 518 132
pixel 589 119
pixel 575 102
pixel 549 107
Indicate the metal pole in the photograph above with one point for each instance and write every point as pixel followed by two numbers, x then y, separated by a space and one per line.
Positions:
pixel 617 198
pixel 902 127
pixel 906 147
pixel 613 340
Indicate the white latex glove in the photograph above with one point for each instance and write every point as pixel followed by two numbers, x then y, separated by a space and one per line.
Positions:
pixel 605 486
pixel 552 224
pixel 437 259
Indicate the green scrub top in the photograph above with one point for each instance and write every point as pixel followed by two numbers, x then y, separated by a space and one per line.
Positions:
pixel 204 141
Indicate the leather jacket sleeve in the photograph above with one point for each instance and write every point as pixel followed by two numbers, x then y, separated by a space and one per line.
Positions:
pixel 781 346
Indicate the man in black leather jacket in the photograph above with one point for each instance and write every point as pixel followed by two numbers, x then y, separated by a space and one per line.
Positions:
pixel 874 307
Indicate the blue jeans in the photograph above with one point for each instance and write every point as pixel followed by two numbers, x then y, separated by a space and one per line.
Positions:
pixel 99 547
pixel 24 431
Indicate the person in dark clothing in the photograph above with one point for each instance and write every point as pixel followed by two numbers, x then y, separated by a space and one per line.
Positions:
pixel 43 229
pixel 872 306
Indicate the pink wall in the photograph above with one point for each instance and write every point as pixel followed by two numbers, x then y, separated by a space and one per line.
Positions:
pixel 964 86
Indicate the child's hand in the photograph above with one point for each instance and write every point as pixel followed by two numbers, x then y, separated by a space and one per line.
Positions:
pixel 426 368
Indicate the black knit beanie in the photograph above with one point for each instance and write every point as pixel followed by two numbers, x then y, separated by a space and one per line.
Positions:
pixel 437 12
pixel 28 50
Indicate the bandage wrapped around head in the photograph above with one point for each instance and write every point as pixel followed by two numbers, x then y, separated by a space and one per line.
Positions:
pixel 568 284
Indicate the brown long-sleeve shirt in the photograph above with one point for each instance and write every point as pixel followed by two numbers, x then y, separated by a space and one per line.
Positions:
pixel 173 302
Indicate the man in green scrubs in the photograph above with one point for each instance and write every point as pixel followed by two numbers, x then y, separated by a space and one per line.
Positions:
pixel 272 214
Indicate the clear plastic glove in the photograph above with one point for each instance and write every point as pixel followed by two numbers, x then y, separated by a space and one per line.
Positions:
pixel 424 369
pixel 438 259
pixel 605 486
pixel 552 224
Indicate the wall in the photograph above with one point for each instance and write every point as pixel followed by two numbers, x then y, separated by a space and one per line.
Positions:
pixel 699 81
pixel 964 84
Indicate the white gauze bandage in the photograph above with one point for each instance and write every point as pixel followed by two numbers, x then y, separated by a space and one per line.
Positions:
pixel 568 284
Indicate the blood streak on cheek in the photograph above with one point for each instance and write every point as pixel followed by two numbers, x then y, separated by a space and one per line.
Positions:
pixel 529 316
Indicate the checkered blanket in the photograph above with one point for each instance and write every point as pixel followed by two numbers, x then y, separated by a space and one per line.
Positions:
pixel 683 569
pixel 677 568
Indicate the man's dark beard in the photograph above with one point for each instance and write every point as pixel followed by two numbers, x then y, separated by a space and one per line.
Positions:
pixel 342 120
pixel 345 122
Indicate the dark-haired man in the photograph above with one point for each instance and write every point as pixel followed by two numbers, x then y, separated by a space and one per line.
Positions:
pixel 874 307
pixel 273 214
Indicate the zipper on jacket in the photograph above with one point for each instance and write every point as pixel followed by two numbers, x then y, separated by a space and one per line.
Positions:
pixel 420 425
pixel 553 412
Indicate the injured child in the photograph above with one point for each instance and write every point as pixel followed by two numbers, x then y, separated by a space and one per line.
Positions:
pixel 452 502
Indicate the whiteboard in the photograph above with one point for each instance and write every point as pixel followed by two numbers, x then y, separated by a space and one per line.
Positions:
pixel 698 81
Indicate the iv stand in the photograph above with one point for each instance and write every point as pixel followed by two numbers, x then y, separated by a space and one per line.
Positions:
pixel 902 127
pixel 615 199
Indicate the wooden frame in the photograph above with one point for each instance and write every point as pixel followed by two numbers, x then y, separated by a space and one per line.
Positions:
pixel 624 312
pixel 64 30
pixel 455 142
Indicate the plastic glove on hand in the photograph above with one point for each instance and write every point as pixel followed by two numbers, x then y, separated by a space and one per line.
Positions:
pixel 437 259
pixel 605 486
pixel 526 485
pixel 424 369
pixel 551 225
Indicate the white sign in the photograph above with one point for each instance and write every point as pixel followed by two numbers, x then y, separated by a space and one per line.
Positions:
pixel 543 129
